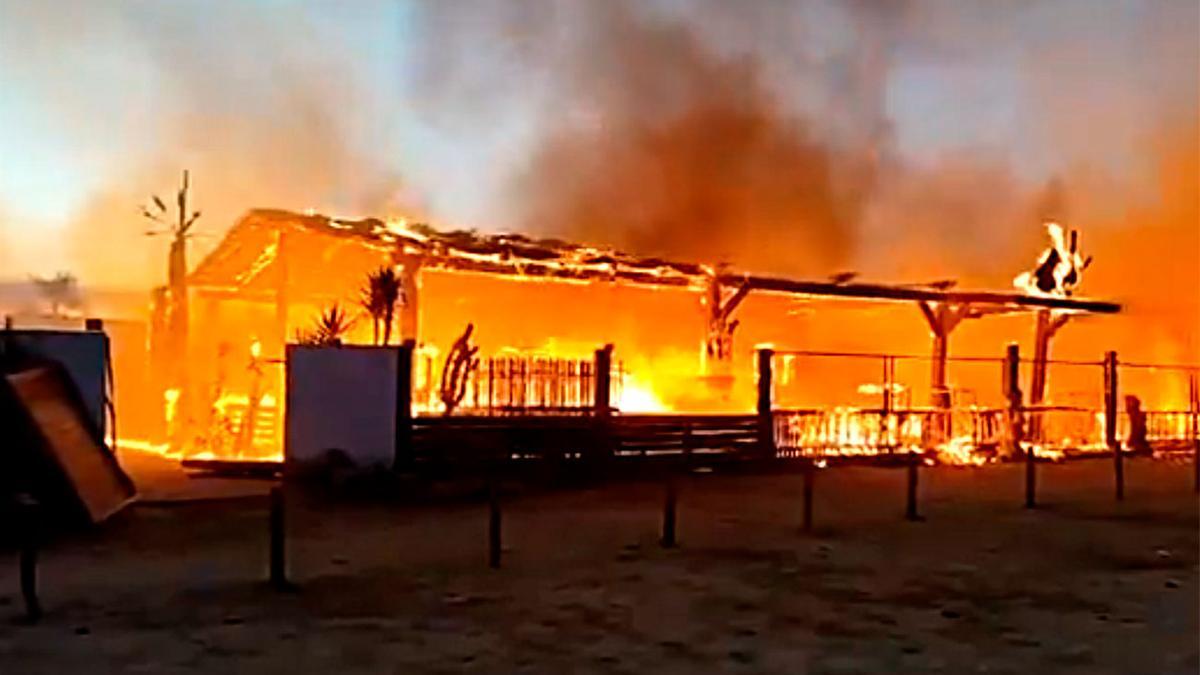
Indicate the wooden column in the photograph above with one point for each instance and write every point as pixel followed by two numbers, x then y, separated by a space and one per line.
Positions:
pixel 602 395
pixel 766 427
pixel 1016 422
pixel 402 447
pixel 1110 422
pixel 602 401
pixel 1048 323
pixel 942 319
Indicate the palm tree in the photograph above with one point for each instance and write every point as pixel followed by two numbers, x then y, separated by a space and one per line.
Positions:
pixel 332 325
pixel 179 228
pixel 380 297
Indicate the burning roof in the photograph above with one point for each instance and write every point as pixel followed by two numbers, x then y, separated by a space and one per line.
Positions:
pixel 241 262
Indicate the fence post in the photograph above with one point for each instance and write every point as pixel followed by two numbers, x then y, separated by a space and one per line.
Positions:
pixel 277 532
pixel 402 450
pixel 810 470
pixel 1110 422
pixel 494 543
pixel 766 427
pixel 1194 401
pixel 910 510
pixel 30 515
pixel 1012 393
pixel 669 498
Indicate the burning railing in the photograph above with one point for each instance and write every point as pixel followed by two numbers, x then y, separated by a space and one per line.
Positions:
pixel 514 384
pixel 967 431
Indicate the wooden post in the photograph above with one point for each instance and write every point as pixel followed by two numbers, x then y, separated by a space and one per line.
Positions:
pixel 601 398
pixel 766 427
pixel 668 524
pixel 1194 399
pixel 277 527
pixel 810 470
pixel 402 452
pixel 1110 422
pixel 910 511
pixel 1047 325
pixel 31 531
pixel 942 319
pixel 602 401
pixel 1013 395
pixel 494 544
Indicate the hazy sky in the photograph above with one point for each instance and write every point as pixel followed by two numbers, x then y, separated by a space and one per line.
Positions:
pixel 102 92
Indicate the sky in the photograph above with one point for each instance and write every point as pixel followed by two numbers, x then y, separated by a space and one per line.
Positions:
pixel 406 106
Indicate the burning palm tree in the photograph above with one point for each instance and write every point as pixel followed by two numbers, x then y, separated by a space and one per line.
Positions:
pixel 380 297
pixel 179 228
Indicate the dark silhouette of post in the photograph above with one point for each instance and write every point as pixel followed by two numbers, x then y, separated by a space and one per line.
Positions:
pixel 766 427
pixel 1194 400
pixel 602 399
pixel 1110 422
pixel 668 523
pixel 1013 395
pixel 402 450
pixel 30 514
pixel 810 470
pixel 910 508
pixel 277 526
pixel 494 543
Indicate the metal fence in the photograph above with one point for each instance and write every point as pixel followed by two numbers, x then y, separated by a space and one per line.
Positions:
pixel 835 404
pixel 516 384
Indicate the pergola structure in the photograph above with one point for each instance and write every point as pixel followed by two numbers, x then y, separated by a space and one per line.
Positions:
pixel 265 254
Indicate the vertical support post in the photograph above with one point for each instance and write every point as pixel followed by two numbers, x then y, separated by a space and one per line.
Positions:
pixel 910 510
pixel 810 470
pixel 669 498
pixel 1194 399
pixel 1012 393
pixel 1110 422
pixel 601 399
pixel 602 382
pixel 31 531
pixel 402 454
pixel 494 520
pixel 766 427
pixel 277 530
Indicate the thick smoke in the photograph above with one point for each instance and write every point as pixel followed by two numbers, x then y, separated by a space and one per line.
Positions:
pixel 662 133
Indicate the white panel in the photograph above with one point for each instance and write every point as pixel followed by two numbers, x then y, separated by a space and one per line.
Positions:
pixel 341 398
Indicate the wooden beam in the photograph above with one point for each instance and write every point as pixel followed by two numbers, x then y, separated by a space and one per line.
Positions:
pixel 885 292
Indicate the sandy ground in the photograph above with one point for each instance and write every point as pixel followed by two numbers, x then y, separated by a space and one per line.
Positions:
pixel 1082 585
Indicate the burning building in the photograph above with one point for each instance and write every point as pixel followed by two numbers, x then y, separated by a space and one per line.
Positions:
pixel 539 308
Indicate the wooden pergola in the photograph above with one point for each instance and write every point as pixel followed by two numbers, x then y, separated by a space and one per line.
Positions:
pixel 264 256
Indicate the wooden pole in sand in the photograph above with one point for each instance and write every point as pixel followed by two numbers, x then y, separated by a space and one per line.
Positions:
pixel 810 471
pixel 494 517
pixel 668 524
pixel 1110 422
pixel 277 527
pixel 31 530
pixel 910 510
